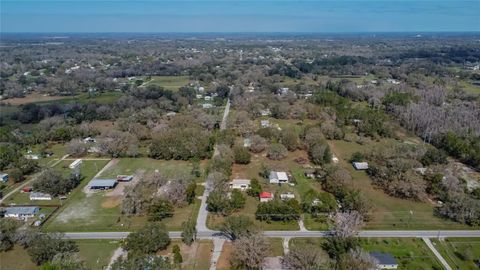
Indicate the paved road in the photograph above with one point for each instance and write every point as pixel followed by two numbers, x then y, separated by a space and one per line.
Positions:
pixel 30 181
pixel 210 234
pixel 437 254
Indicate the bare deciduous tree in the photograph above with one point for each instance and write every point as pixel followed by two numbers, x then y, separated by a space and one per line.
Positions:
pixel 250 250
pixel 306 257
pixel 347 224
pixel 357 259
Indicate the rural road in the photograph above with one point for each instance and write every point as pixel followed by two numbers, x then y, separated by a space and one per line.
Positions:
pixel 210 234
pixel 203 213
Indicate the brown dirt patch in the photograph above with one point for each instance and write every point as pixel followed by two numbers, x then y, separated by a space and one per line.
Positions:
pixel 30 98
pixel 224 260
pixel 112 202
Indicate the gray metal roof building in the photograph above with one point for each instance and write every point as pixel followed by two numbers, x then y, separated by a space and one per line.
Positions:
pixel 103 183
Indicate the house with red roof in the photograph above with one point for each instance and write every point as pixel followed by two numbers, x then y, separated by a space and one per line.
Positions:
pixel 265 196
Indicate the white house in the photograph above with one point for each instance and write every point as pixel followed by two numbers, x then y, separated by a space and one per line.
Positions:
pixel 75 164
pixel 360 165
pixel 287 196
pixel 207 106
pixel 241 184
pixel 21 212
pixel 278 177
pixel 247 142
pixel 199 96
pixel 208 98
pixel 384 260
pixel 32 156
pixel 264 123
pixel 38 196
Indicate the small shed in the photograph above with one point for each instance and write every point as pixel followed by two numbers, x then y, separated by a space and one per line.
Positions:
pixel 264 123
pixel 265 112
pixel 310 173
pixel 384 260
pixel 75 164
pixel 124 178
pixel 287 196
pixel 360 165
pixel 102 183
pixel 265 196
pixel 27 189
pixel 38 196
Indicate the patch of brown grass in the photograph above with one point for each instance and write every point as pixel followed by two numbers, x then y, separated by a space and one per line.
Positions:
pixel 112 202
pixel 224 260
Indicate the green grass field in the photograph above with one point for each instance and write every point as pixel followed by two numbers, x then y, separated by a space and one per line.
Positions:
pixel 453 250
pixel 411 253
pixel 96 253
pixel 172 83
pixel 101 211
pixel 196 256
pixel 389 212
pixel 132 165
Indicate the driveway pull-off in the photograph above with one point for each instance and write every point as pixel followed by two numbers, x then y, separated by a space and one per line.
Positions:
pixel 437 254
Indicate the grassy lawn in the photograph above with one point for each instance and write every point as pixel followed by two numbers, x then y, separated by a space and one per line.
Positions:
pixel 101 210
pixel 276 249
pixel 16 258
pixel 411 253
pixel 452 250
pixel 96 253
pixel 88 169
pixel 302 185
pixel 214 221
pixel 196 256
pixel 389 212
pixel 172 83
pixel 469 87
pixel 132 165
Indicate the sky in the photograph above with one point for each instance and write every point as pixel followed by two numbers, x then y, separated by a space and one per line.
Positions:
pixel 318 16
